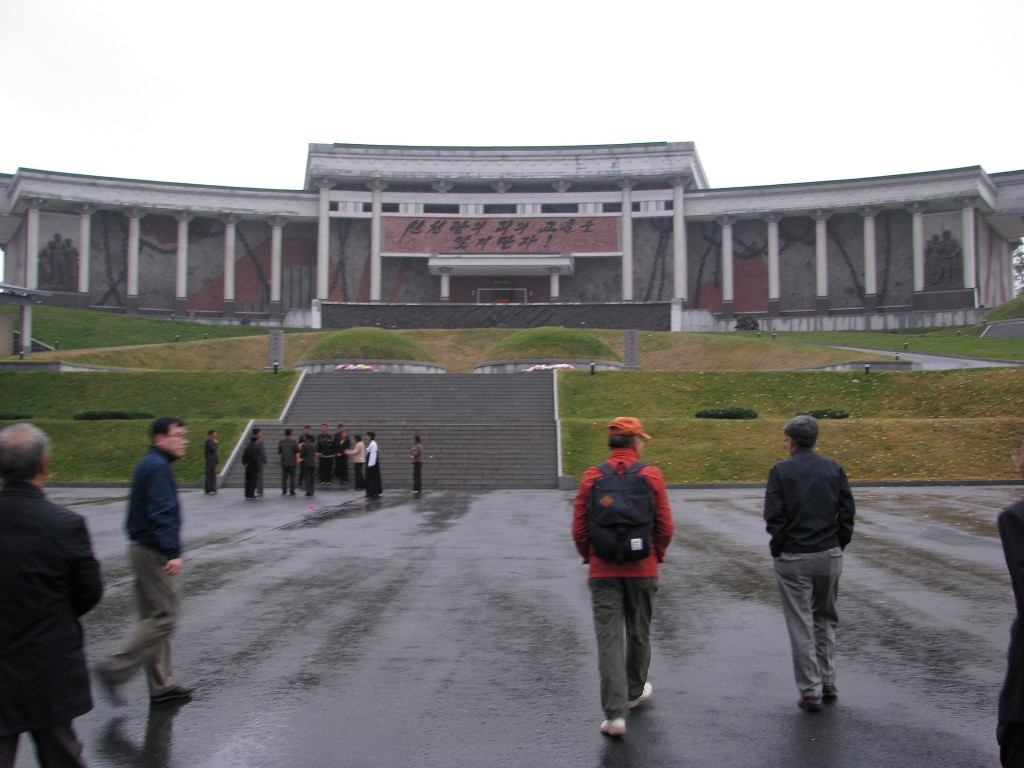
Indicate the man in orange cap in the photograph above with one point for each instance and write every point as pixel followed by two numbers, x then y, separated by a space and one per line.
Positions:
pixel 622 585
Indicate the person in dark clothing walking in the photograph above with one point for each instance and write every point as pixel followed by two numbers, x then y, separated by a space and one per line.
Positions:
pixel 307 462
pixel 342 446
pixel 288 450
pixel 210 457
pixel 49 578
pixel 153 525
pixel 1010 728
pixel 251 462
pixel 325 454
pixel 416 457
pixel 808 511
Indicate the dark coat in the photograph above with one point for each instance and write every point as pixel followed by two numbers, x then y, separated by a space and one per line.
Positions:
pixel 808 504
pixel 1011 532
pixel 48 578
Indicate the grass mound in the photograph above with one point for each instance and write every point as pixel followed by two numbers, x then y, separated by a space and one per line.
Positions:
pixel 551 343
pixel 367 344
pixel 1010 310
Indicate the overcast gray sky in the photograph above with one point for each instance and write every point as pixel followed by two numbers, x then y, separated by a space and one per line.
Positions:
pixel 226 92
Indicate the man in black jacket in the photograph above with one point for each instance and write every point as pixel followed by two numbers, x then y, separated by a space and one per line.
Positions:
pixel 1010 731
pixel 48 579
pixel 210 459
pixel 809 509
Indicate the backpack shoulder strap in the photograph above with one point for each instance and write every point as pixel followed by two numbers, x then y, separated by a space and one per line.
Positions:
pixel 605 468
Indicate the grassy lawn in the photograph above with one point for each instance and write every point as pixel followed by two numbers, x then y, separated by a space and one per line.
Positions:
pixel 957 424
pixel 941 342
pixel 718 451
pixel 79 328
pixel 106 451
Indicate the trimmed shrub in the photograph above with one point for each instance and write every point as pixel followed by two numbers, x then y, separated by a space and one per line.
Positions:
pixel 15 416
pixel 726 413
pixel 551 343
pixel 367 344
pixel 827 413
pixel 104 415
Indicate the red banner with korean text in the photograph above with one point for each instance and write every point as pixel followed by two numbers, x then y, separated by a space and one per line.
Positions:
pixel 582 234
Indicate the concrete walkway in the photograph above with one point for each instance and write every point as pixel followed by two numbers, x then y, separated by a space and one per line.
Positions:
pixel 454 630
pixel 926 362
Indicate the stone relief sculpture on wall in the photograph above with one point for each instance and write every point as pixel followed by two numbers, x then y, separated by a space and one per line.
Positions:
pixel 58 264
pixel 942 256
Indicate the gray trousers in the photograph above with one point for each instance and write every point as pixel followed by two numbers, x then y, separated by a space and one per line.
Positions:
pixel 158 597
pixel 622 621
pixel 809 585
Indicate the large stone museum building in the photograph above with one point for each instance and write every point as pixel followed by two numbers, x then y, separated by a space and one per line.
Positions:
pixel 424 235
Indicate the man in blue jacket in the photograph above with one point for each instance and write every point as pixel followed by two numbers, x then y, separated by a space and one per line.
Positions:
pixel 153 526
pixel 809 509
pixel 48 579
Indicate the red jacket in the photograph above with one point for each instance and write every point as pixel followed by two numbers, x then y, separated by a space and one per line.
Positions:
pixel 660 537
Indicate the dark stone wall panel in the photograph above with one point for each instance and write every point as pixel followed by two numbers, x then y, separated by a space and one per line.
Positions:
pixel 655 316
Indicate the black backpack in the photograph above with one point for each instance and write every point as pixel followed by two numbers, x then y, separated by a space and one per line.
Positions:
pixel 621 515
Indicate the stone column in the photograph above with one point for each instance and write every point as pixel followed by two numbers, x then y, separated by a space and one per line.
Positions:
pixel 276 230
pixel 728 305
pixel 967 245
pixel 870 261
pixel 323 239
pixel 181 281
pixel 32 245
pixel 821 261
pixel 31 272
pixel 445 283
pixel 680 266
pixel 229 266
pixel 555 284
pixel 917 230
pixel 84 251
pixel 774 293
pixel 134 229
pixel 376 224
pixel 627 239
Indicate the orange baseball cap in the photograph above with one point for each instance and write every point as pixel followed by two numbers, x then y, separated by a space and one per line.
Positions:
pixel 627 425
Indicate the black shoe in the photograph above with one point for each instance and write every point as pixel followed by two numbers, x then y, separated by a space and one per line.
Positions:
pixel 829 692
pixel 177 693
pixel 291 493
pixel 810 704
pixel 111 690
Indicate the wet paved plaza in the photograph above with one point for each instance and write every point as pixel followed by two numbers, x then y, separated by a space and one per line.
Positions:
pixel 454 630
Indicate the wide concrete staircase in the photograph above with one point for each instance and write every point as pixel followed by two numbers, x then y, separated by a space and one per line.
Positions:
pixel 479 432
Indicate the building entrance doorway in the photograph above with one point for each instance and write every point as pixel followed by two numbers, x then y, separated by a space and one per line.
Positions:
pixel 501 296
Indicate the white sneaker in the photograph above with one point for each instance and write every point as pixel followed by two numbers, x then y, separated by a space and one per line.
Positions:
pixel 616 727
pixel 645 696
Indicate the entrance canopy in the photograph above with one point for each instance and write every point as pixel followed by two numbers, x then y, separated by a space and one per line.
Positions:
pixel 507 265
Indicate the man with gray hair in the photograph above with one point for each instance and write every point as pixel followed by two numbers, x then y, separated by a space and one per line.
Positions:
pixel 809 509
pixel 48 579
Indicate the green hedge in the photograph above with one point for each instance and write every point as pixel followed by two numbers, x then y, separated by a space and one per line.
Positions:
pixel 727 413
